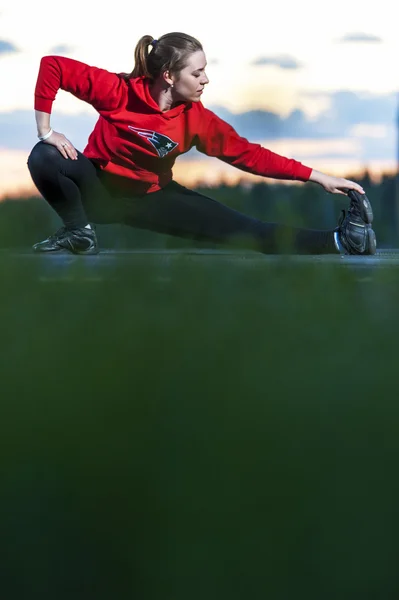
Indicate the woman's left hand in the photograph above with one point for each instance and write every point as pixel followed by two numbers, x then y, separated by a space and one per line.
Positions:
pixel 335 185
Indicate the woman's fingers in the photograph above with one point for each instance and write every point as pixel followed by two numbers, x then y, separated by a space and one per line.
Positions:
pixel 352 185
pixel 63 151
pixel 339 185
pixel 67 150
pixel 63 145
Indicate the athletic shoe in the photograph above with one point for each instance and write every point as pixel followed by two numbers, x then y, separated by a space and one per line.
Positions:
pixel 78 240
pixel 354 234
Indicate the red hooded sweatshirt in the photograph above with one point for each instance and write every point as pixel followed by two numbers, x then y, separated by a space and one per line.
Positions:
pixel 133 138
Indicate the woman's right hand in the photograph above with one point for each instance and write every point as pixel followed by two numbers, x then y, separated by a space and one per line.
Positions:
pixel 62 144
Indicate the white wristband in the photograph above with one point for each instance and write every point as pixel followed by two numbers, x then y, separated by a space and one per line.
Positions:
pixel 45 137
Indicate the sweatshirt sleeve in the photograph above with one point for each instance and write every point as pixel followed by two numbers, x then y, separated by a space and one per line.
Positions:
pixel 98 87
pixel 217 138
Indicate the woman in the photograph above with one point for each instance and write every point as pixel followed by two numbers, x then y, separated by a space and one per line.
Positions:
pixel 147 119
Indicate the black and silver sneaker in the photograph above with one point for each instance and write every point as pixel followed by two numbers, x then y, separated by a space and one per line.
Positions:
pixel 78 240
pixel 354 234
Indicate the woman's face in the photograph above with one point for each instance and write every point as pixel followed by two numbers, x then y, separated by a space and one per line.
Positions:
pixel 191 80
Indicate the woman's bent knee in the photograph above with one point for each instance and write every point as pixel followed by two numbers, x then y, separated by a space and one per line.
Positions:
pixel 40 156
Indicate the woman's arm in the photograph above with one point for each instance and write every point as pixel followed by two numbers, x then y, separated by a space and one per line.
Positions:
pixel 42 122
pixel 217 138
pixel 98 87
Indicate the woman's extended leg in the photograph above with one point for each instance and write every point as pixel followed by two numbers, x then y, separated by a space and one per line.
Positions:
pixel 176 210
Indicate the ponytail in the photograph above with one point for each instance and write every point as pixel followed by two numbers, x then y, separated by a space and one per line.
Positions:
pixel 141 53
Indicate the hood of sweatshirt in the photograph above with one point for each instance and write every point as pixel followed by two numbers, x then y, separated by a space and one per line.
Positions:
pixel 144 102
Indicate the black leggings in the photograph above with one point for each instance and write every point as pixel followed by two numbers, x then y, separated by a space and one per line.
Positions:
pixel 81 193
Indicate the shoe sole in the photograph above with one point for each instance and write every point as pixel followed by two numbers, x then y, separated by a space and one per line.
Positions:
pixel 366 212
pixel 65 251
pixel 49 251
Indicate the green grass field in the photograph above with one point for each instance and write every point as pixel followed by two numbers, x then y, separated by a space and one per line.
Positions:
pixel 197 430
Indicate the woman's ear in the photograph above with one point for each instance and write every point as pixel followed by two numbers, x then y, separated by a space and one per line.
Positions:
pixel 168 78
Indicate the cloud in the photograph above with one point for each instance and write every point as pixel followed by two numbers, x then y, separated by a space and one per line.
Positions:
pixel 282 61
pixel 349 108
pixel 360 37
pixel 61 49
pixel 370 130
pixel 7 47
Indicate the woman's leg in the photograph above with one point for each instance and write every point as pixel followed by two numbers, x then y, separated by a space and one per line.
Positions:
pixel 176 210
pixel 71 187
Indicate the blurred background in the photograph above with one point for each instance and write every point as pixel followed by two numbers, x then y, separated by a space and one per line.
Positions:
pixel 185 421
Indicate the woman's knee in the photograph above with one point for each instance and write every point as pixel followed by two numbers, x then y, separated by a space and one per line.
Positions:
pixel 41 156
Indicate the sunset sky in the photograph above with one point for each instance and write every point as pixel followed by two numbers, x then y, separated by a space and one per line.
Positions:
pixel 321 80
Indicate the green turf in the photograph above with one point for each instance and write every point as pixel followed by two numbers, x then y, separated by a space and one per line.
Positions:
pixel 196 430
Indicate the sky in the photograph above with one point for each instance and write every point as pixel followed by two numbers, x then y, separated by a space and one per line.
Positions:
pixel 312 81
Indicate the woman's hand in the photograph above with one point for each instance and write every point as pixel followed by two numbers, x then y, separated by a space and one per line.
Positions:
pixel 335 185
pixel 62 144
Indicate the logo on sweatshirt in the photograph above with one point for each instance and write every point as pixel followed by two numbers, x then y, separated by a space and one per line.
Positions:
pixel 162 144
